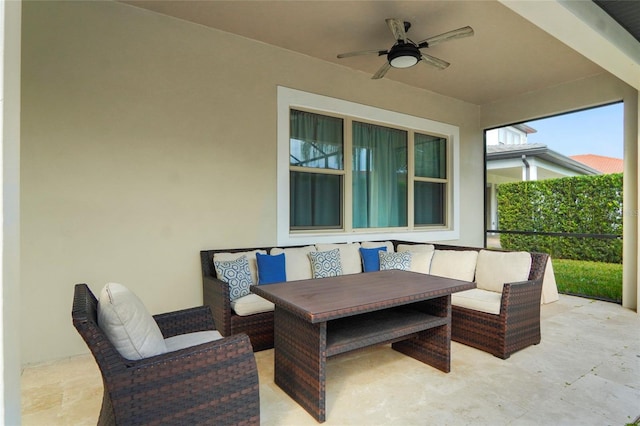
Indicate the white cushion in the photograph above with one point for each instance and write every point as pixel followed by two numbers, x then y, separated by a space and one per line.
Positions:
pixel 421 255
pixel 251 304
pixel 495 268
pixel 325 264
pixel 376 244
pixel 187 340
pixel 429 248
pixel 478 300
pixel 456 264
pixel 297 262
pixel 251 258
pixel 236 273
pixel 349 256
pixel 128 324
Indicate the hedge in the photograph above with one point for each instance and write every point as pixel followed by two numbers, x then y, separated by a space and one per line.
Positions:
pixel 575 205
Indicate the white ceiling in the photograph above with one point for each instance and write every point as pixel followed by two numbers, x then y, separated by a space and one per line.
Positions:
pixel 507 56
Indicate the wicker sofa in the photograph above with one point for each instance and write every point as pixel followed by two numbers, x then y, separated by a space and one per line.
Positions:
pixel 511 323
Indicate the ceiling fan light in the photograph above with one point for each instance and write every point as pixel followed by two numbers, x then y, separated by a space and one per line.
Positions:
pixel 403 56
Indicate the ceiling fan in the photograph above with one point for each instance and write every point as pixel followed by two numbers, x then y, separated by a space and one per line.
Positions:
pixel 406 53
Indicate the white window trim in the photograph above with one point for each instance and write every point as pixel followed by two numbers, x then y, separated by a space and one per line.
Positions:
pixel 291 98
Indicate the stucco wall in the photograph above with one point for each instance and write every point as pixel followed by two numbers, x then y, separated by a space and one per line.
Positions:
pixel 146 139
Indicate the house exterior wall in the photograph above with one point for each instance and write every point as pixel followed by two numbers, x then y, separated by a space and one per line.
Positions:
pixel 146 139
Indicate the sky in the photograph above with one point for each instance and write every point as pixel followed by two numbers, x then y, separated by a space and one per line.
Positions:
pixel 596 131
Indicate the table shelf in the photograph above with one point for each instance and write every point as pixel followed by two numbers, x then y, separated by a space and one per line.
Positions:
pixel 374 328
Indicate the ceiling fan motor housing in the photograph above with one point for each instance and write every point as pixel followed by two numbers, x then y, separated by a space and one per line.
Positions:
pixel 404 55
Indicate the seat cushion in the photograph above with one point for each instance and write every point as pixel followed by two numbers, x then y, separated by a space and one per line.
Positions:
pixel 495 268
pixel 349 256
pixel 127 323
pixel 456 264
pixel 251 304
pixel 298 266
pixel 374 244
pixel 325 264
pixel 187 340
pixel 478 300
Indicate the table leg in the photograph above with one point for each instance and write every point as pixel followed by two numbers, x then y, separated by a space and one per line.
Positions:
pixel 300 361
pixel 431 346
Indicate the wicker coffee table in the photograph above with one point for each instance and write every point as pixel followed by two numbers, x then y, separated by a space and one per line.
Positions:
pixel 319 318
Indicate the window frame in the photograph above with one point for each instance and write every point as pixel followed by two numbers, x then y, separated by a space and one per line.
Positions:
pixel 295 99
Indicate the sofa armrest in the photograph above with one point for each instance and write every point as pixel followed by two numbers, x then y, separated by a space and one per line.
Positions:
pixel 185 321
pixel 521 301
pixel 219 378
pixel 216 295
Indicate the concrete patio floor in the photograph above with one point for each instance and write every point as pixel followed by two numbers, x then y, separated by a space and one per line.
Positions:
pixel 586 371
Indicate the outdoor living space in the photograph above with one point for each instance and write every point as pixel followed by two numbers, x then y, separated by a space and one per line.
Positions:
pixel 585 371
pixel 137 134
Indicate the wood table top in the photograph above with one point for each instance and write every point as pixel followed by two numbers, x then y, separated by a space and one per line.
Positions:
pixel 324 299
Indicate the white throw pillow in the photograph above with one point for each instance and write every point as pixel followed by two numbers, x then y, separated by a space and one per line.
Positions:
pixel 496 268
pixel 349 256
pixel 128 324
pixel 456 264
pixel 251 304
pixel 393 260
pixel 421 255
pixel 325 264
pixel 297 262
pixel 251 258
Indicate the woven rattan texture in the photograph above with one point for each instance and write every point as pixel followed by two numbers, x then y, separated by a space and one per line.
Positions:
pixel 212 383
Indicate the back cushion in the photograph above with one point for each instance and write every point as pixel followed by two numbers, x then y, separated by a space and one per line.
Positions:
pixel 421 255
pixel 495 268
pixel 349 256
pixel 128 324
pixel 298 265
pixel 251 258
pixel 456 264
pixel 375 244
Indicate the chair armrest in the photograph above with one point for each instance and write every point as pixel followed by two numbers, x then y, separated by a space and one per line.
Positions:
pixel 521 299
pixel 220 378
pixel 185 321
pixel 216 295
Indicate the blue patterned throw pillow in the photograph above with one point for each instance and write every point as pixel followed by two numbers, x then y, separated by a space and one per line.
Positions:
pixel 325 263
pixel 394 260
pixel 370 258
pixel 235 273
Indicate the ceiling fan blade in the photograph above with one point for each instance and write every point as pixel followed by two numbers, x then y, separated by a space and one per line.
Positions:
pixel 397 28
pixel 449 35
pixel 382 71
pixel 433 61
pixel 363 52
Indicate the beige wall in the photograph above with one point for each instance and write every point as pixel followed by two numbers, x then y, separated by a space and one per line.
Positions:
pixel 146 139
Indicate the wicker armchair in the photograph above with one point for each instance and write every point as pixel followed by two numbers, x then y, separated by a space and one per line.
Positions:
pixel 518 324
pixel 215 382
pixel 259 327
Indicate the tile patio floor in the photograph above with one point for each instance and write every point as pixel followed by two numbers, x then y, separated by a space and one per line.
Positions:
pixel 586 371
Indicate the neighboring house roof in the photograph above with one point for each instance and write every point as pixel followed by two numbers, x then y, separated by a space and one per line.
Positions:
pixel 601 163
pixel 501 152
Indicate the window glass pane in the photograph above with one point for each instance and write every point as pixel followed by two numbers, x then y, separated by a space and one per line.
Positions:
pixel 315 200
pixel 429 203
pixel 430 156
pixel 379 176
pixel 316 141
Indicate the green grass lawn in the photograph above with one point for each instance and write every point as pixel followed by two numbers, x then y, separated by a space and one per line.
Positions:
pixel 590 279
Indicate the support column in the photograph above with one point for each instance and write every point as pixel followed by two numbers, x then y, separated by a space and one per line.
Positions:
pixel 631 193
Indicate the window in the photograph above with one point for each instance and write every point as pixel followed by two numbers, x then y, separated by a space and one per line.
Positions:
pixel 350 170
